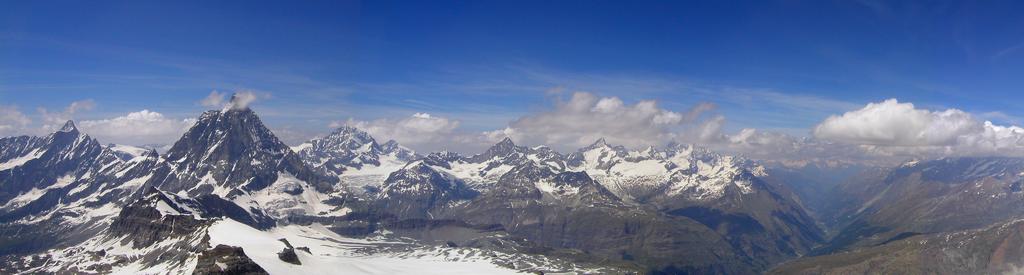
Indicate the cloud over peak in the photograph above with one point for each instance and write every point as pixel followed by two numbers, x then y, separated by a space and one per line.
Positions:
pixel 239 100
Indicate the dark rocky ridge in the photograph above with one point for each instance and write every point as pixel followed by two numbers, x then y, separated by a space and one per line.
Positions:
pixel 73 174
pixel 236 150
pixel 234 259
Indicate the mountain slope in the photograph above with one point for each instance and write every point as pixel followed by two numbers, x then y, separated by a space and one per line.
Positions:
pixel 725 193
pixel 62 188
pixel 941 195
pixel 228 152
pixel 997 249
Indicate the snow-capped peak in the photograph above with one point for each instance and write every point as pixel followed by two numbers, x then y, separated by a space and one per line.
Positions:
pixel 600 142
pixel 230 149
pixel 506 146
pixel 69 126
pixel 355 157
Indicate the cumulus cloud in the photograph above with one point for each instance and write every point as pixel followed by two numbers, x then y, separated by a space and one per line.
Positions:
pixel 12 120
pixel 890 123
pixel 137 128
pixel 420 131
pixel 586 117
pixel 890 128
pixel 53 120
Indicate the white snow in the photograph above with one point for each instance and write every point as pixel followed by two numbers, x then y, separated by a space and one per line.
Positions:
pixel 18 161
pixel 388 164
pixel 24 198
pixel 641 168
pixel 166 209
pixel 278 203
pixel 550 188
pixel 36 193
pixel 300 147
pixel 332 254
pixel 130 150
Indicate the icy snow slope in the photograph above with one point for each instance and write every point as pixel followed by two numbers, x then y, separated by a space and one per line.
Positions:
pixel 333 254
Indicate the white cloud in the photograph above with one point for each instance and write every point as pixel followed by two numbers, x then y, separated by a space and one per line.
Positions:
pixel 585 117
pixel 241 100
pixel 12 120
pixel 890 123
pixel 53 120
pixel 421 131
pixel 890 128
pixel 137 128
pixel 214 100
pixel 238 100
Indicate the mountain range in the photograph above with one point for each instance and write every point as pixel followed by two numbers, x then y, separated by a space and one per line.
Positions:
pixel 229 197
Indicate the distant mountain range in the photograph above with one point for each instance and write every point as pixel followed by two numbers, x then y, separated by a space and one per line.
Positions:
pixel 230 197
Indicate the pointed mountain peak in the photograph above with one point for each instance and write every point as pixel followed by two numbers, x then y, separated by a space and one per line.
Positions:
pixel 502 149
pixel 237 150
pixel 351 131
pixel 393 146
pixel 152 154
pixel 69 127
pixel 506 142
pixel 233 134
pixel 649 150
pixel 599 143
pixel 351 138
pixel 238 102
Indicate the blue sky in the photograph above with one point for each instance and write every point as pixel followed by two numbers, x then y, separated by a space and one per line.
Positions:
pixel 773 65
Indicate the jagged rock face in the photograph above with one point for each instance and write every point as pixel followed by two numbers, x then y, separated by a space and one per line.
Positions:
pixel 997 249
pixel 508 154
pixel 933 196
pixel 228 150
pixel 62 189
pixel 41 163
pixel 14 147
pixel 416 190
pixel 599 155
pixel 288 255
pixel 348 148
pixel 158 216
pixel 160 231
pixel 501 150
pixel 225 259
